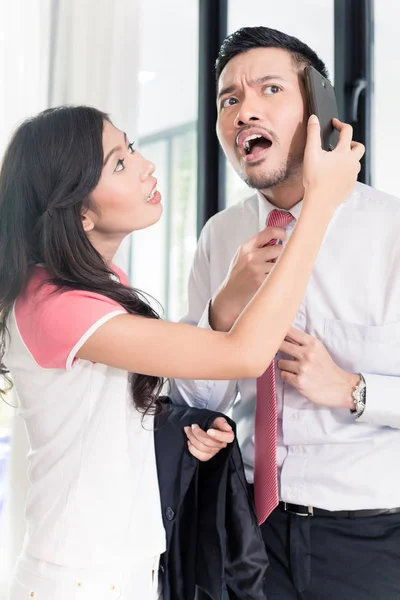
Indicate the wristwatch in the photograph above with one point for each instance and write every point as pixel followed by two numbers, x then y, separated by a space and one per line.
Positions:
pixel 359 395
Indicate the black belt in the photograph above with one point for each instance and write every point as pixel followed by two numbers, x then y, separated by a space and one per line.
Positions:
pixel 311 511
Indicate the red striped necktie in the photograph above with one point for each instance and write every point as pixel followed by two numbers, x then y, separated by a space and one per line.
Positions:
pixel 265 441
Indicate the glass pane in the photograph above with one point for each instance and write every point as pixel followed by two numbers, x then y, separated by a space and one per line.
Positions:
pixel 313 24
pixel 387 97
pixel 161 255
pixel 182 225
pixel 148 255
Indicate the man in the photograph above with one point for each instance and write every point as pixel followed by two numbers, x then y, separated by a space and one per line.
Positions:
pixel 335 533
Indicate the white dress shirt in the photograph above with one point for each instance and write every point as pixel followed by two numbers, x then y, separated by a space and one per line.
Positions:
pixel 327 458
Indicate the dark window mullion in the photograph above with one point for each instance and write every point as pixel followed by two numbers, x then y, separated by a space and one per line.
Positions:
pixel 210 160
pixel 354 49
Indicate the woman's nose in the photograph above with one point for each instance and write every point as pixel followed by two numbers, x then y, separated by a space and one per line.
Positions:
pixel 148 170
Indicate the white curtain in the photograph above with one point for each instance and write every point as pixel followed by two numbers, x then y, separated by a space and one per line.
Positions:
pixel 95 61
pixel 61 52
pixel 24 61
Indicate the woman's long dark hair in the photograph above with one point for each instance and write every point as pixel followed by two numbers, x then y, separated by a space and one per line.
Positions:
pixel 51 166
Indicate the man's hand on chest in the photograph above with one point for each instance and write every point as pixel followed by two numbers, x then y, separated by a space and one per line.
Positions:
pixel 312 372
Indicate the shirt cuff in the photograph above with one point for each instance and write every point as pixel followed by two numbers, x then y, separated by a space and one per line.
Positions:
pixel 382 406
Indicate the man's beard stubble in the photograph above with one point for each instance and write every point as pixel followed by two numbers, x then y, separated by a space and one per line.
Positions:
pixel 286 173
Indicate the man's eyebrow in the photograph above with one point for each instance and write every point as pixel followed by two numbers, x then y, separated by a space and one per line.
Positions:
pixel 115 149
pixel 231 88
pixel 227 90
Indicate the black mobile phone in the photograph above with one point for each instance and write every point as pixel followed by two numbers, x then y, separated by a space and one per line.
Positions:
pixel 322 102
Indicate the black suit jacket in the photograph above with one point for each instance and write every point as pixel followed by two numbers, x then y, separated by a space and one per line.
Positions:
pixel 209 516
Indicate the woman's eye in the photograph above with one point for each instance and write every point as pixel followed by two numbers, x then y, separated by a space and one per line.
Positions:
pixel 131 147
pixel 120 165
pixel 272 89
pixel 228 102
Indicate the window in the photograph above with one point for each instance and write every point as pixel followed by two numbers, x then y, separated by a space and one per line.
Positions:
pixel 161 257
pixel 387 97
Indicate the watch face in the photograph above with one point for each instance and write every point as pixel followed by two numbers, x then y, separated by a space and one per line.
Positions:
pixel 359 396
pixel 360 404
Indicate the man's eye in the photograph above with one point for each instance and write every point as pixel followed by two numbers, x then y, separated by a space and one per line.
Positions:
pixel 271 90
pixel 120 165
pixel 131 147
pixel 228 102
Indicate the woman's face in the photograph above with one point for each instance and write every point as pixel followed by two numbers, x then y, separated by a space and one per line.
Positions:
pixel 125 199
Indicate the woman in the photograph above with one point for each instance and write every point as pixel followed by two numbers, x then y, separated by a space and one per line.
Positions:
pixel 87 354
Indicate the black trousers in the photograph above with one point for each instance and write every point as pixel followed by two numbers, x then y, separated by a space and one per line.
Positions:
pixel 326 558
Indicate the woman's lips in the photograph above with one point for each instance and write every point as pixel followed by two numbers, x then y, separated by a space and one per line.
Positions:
pixel 154 198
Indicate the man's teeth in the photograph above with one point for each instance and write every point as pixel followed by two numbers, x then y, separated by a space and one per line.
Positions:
pixel 246 144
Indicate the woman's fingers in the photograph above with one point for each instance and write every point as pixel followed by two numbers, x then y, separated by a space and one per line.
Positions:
pixel 345 134
pixel 205 446
pixel 202 456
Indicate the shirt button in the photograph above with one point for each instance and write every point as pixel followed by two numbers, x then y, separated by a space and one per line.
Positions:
pixel 170 514
pixel 294 416
pixel 291 494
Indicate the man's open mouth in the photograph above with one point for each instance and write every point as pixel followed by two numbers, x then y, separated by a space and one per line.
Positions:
pixel 253 144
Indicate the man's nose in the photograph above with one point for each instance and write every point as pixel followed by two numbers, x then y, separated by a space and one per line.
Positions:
pixel 247 114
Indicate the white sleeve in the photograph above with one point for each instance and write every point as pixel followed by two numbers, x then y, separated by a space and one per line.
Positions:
pixel 382 406
pixel 215 395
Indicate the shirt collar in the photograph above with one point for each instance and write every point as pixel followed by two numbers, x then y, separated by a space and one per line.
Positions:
pixel 265 208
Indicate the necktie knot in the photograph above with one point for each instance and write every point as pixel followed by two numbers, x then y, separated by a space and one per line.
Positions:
pixel 279 218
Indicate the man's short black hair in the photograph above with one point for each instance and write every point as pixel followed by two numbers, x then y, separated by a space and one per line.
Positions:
pixel 248 38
